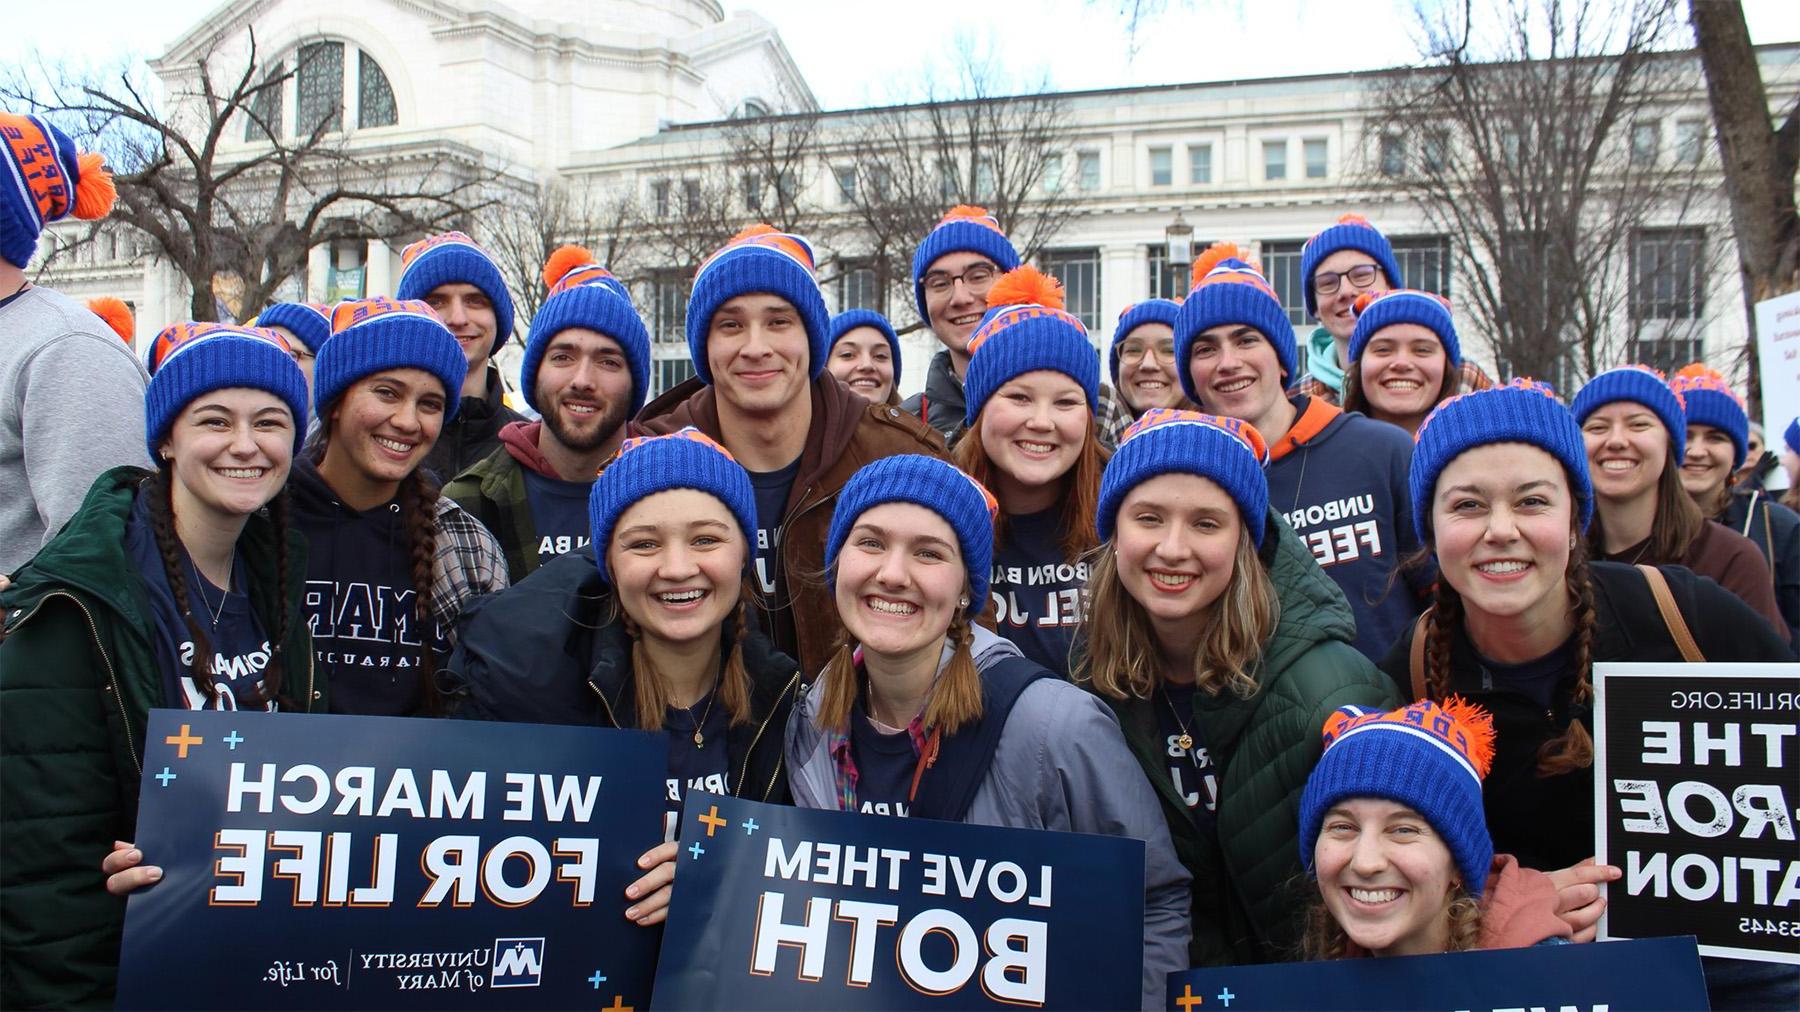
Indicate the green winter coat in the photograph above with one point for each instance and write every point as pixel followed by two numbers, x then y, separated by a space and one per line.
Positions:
pixel 1249 895
pixel 78 676
pixel 492 491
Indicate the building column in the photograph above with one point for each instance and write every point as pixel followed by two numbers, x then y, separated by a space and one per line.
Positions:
pixel 378 261
pixel 1124 279
pixel 318 272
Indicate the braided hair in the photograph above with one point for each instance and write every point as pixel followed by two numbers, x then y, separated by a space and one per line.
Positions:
pixel 1574 748
pixel 418 510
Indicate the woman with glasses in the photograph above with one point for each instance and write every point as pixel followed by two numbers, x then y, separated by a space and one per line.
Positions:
pixel 1033 385
pixel 1404 357
pixel 1143 357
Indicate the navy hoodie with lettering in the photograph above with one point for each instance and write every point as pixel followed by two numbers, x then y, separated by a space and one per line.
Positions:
pixel 360 601
pixel 1340 480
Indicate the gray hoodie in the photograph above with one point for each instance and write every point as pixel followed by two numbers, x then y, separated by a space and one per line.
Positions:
pixel 1062 765
pixel 71 407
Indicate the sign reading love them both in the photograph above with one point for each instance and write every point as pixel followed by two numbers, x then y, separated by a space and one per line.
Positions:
pixel 1658 973
pixel 1697 775
pixel 785 908
pixel 315 861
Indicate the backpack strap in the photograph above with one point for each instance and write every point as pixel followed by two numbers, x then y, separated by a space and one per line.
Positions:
pixel 1418 653
pixel 945 783
pixel 1671 615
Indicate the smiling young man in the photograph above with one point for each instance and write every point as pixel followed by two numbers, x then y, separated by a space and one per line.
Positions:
pixel 1337 266
pixel 1338 478
pixel 952 271
pixel 460 282
pixel 759 333
pixel 586 371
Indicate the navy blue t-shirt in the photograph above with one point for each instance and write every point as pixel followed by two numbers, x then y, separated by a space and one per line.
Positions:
pixel 692 767
pixel 1039 596
pixel 1190 769
pixel 240 649
pixel 1534 679
pixel 772 488
pixel 884 766
pixel 559 512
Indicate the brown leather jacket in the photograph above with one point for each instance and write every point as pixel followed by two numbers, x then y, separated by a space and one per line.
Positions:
pixel 847 433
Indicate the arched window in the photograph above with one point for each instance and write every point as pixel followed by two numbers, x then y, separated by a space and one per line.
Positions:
pixel 375 97
pixel 319 85
pixel 752 108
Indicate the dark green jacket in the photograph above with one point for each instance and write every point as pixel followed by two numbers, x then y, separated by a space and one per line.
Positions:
pixel 1249 895
pixel 493 492
pixel 78 676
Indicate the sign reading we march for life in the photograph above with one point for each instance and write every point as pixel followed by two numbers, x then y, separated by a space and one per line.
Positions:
pixel 315 861
pixel 1696 778
pixel 787 908
pixel 1657 973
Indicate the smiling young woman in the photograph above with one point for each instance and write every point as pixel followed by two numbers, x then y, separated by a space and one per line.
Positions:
pixel 1144 370
pixel 865 355
pixel 1031 392
pixel 391 562
pixel 170 588
pixel 1636 437
pixel 1405 358
pixel 1501 495
pixel 1213 637
pixel 922 713
pixel 1391 826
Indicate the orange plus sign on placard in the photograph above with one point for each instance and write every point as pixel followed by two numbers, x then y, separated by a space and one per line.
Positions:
pixel 712 820
pixel 182 741
pixel 1189 999
pixel 618 1005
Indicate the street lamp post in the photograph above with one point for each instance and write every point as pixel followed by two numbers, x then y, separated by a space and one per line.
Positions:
pixel 1180 237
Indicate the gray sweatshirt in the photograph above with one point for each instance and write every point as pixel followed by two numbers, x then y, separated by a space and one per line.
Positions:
pixel 71 406
pixel 1062 764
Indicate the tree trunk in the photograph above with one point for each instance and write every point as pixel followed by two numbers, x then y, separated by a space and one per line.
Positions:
pixel 1758 164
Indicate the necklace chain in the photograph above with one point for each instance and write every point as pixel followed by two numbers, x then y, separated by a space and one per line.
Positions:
pixel 1185 741
pixel 699 738
pixel 200 587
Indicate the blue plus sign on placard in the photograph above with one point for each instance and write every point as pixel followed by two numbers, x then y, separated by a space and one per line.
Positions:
pixel 696 850
pixel 1225 997
pixel 597 979
pixel 233 739
pixel 165 776
pixel 750 826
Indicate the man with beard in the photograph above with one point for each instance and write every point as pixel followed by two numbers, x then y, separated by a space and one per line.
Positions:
pixel 460 282
pixel 586 370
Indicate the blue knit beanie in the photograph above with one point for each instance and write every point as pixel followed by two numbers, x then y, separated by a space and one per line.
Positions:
pixel 197 358
pixel 584 294
pixel 1428 757
pixel 1231 290
pixel 1792 436
pixel 759 260
pixel 1522 411
pixel 963 229
pixel 1353 231
pixel 1638 384
pixel 938 486
pixel 850 319
pixel 1025 329
pixel 1227 451
pixel 309 322
pixel 1376 311
pixel 646 465
pixel 454 258
pixel 45 180
pixel 1709 400
pixel 1136 315
pixel 370 335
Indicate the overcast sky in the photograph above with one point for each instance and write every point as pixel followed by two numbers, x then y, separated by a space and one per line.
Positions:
pixel 858 52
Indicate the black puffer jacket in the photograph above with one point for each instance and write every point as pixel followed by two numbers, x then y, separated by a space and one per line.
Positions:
pixel 543 652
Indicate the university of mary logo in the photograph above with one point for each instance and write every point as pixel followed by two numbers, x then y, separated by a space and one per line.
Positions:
pixel 518 962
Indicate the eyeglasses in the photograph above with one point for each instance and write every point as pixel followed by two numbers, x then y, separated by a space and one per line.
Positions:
pixel 976 278
pixel 1361 276
pixel 1134 351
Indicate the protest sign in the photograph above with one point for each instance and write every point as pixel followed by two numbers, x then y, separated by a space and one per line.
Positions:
pixel 786 908
pixel 315 861
pixel 1656 973
pixel 1778 356
pixel 1696 777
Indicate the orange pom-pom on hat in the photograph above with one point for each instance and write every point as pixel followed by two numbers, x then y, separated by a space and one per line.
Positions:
pixel 572 266
pixel 1026 286
pixel 46 179
pixel 1231 290
pixel 1707 399
pixel 1213 256
pixel 1026 330
pixel 117 316
pixel 1430 757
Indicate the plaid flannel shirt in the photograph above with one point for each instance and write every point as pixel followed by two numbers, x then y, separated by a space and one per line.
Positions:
pixel 467 563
